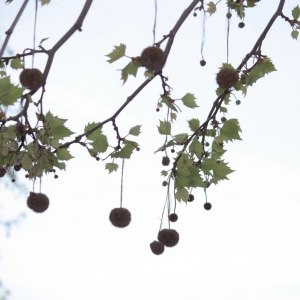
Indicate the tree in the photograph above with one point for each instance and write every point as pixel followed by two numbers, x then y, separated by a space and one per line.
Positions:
pixel 36 143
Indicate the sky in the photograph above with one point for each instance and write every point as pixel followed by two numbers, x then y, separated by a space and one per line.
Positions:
pixel 246 247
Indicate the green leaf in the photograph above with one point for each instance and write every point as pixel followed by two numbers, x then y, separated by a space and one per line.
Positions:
pixel 223 109
pixel 169 103
pixel 196 148
pixel 148 74
pixel 217 151
pixel 63 154
pixel 259 70
pixel 117 53
pixel 124 77
pixel 208 165
pixel 43 40
pixel 189 100
pixel 52 120
pixel 295 34
pixel 132 68
pixel 182 194
pixel 60 132
pixel 136 130
pixel 296 12
pixel 111 167
pixel 164 173
pixel 93 136
pixel 164 127
pixel 54 143
pixel 211 8
pixel 134 144
pixel 222 171
pixel 100 143
pixel 16 63
pixel 173 117
pixel 26 162
pixel 180 138
pixel 194 124
pixel 43 2
pixel 164 147
pixel 1 64
pixel 230 130
pixel 125 152
pixel 9 93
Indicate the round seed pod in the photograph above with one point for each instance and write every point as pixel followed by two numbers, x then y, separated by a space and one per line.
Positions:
pixel 169 237
pixel 173 217
pixel 202 62
pixel 153 58
pixel 227 78
pixel 2 171
pixel 38 202
pixel 191 198
pixel 21 129
pixel 33 79
pixel 17 167
pixel 120 217
pixel 157 247
pixel 165 161
pixel 207 206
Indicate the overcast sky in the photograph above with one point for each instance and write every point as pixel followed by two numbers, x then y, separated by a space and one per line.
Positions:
pixel 246 247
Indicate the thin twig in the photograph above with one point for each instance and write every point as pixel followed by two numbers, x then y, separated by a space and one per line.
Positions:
pixel 12 27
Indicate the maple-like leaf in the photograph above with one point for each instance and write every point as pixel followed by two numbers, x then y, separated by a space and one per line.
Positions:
pixel 117 53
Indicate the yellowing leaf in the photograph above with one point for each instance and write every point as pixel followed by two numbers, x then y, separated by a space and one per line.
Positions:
pixel 211 8
pixel 117 53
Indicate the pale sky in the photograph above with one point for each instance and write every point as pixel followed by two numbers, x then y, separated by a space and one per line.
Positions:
pixel 245 248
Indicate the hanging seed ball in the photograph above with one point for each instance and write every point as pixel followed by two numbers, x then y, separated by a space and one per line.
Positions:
pixel 157 247
pixel 223 119
pixel 165 183
pixel 169 237
pixel 238 102
pixel 207 206
pixel 38 202
pixel 173 217
pixel 202 62
pixel 2 171
pixel 33 79
pixel 241 25
pixel 21 129
pixel 228 15
pixel 17 167
pixel 153 58
pixel 191 198
pixel 120 217
pixel 165 161
pixel 227 78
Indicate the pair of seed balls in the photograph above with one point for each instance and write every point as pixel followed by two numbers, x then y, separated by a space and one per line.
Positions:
pixel 166 237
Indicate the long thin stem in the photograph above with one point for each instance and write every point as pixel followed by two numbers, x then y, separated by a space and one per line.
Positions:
pixel 12 27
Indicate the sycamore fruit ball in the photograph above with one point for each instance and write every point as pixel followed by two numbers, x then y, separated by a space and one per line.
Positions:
pixel 169 237
pixel 153 58
pixel 32 79
pixel 227 78
pixel 38 202
pixel 157 247
pixel 120 217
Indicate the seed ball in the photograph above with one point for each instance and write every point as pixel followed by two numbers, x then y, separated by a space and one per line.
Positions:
pixel 195 14
pixel 207 206
pixel 241 25
pixel 169 237
pixel 157 247
pixel 238 102
pixel 13 180
pixel 165 183
pixel 20 129
pixel 120 217
pixel 191 198
pixel 2 171
pixel 153 58
pixel 165 161
pixel 173 217
pixel 33 79
pixel 227 78
pixel 38 202
pixel 202 62
pixel 223 119
pixel 228 15
pixel 17 167
pixel 172 150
